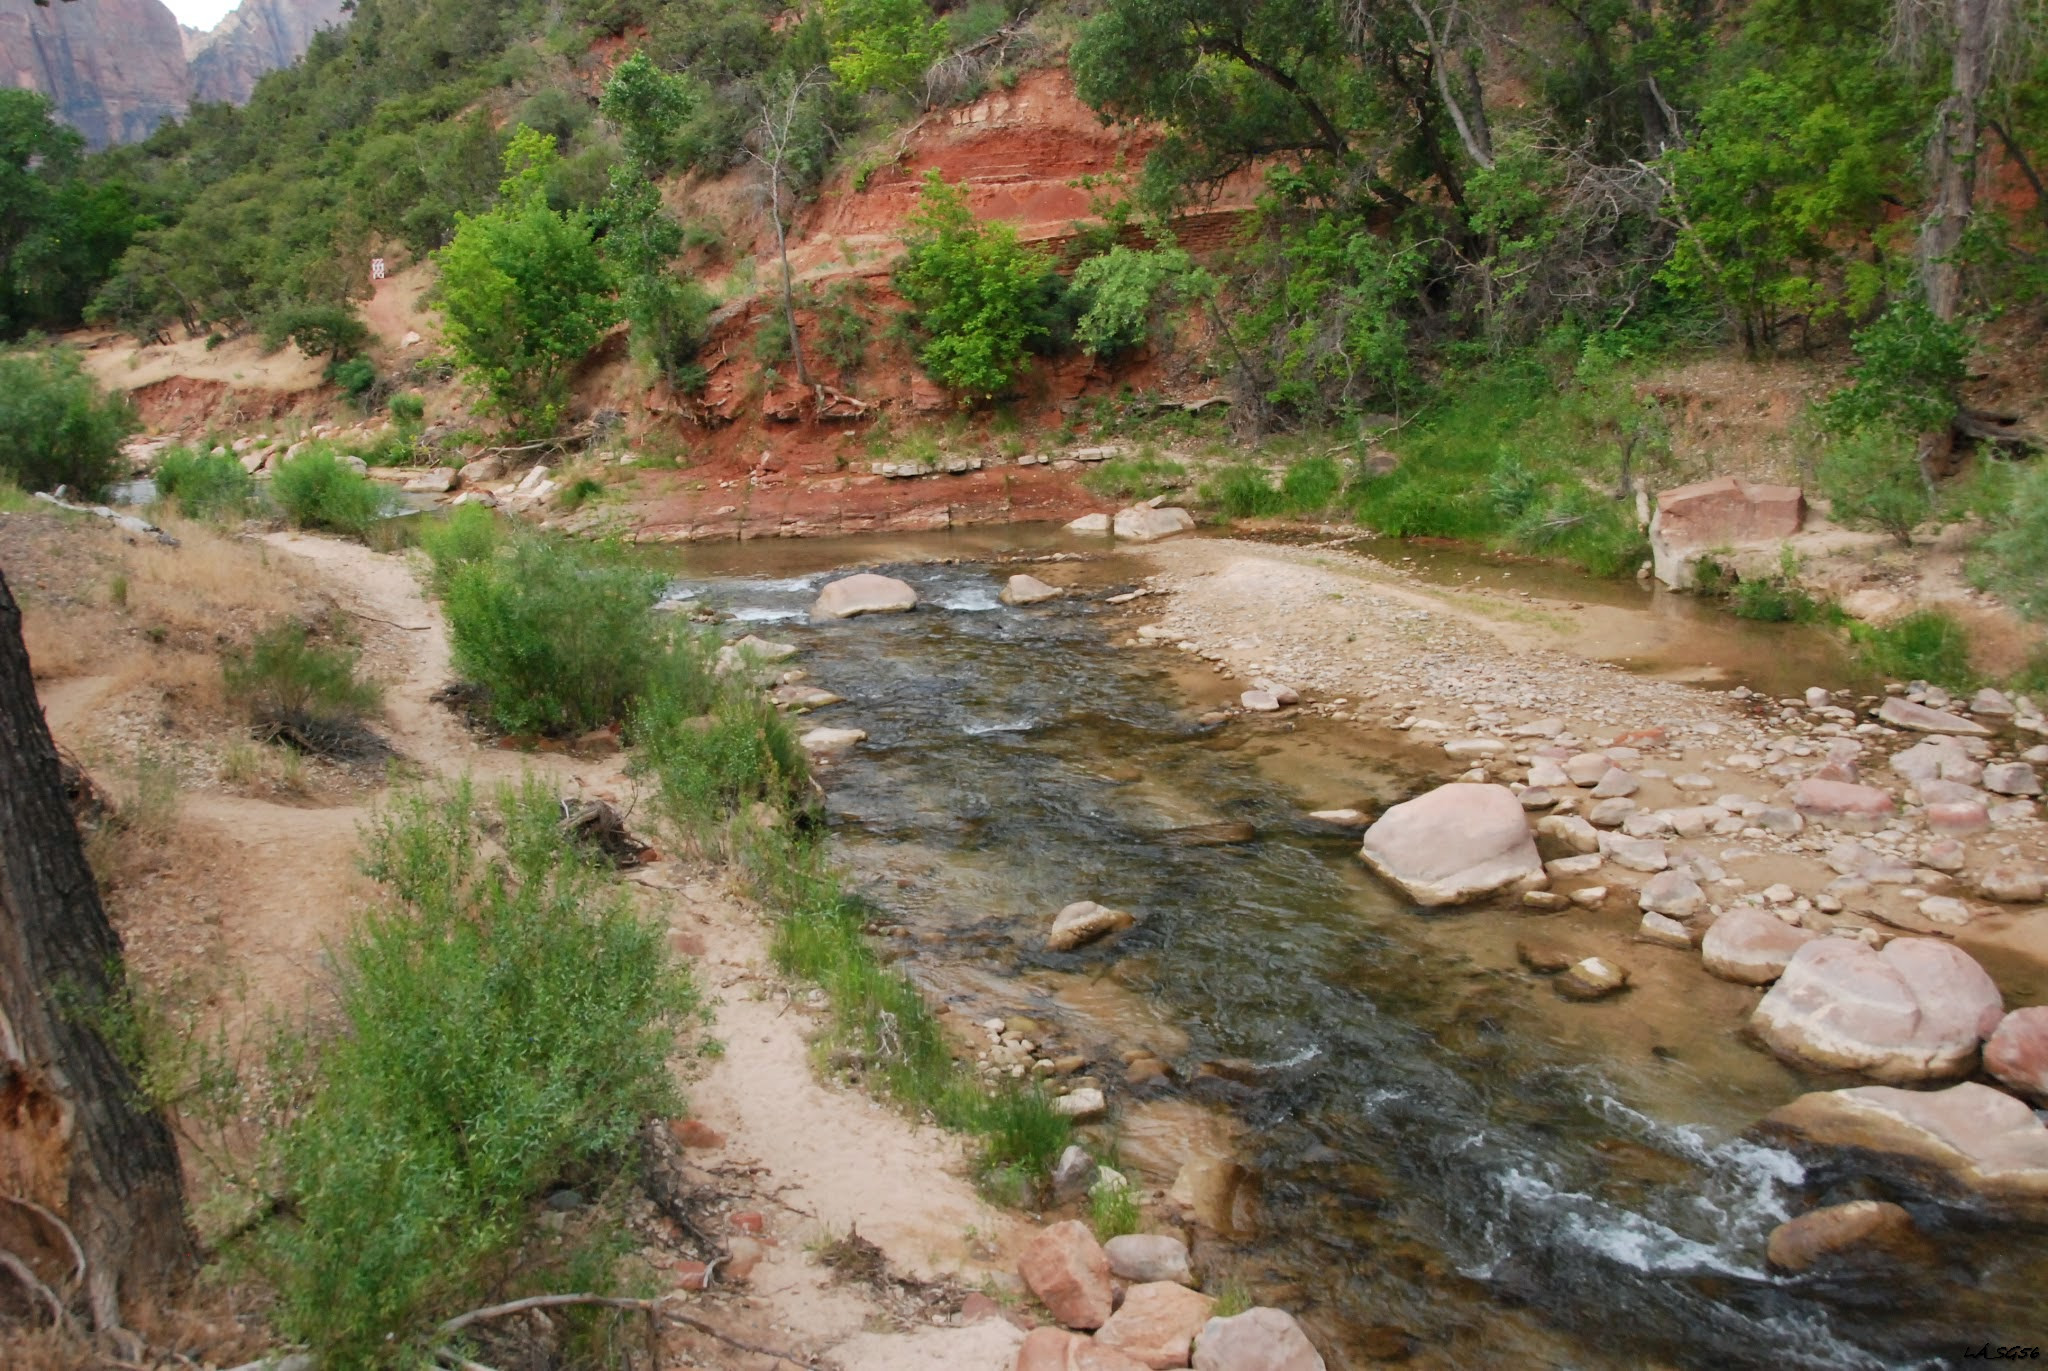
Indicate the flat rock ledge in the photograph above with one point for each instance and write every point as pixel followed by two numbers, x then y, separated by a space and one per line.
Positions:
pixel 1967 1142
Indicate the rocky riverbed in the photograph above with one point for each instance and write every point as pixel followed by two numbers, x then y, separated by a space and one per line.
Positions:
pixel 1879 859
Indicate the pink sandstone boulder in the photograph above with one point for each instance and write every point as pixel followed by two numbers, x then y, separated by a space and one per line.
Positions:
pixel 1902 713
pixel 1718 513
pixel 1844 802
pixel 1055 1349
pixel 1751 947
pixel 1915 1011
pixel 1455 844
pixel 1067 1269
pixel 1256 1340
pixel 863 593
pixel 1980 1141
pixel 2017 1053
pixel 1157 1323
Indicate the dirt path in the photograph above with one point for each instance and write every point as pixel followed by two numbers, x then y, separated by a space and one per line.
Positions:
pixel 262 890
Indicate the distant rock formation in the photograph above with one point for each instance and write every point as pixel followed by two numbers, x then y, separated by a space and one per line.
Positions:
pixel 259 36
pixel 115 69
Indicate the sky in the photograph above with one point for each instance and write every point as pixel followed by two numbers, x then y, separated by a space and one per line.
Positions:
pixel 200 14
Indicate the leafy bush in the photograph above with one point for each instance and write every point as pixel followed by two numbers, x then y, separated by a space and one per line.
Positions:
pixel 335 331
pixel 1909 367
pixel 558 636
pixel 524 291
pixel 709 766
pixel 1133 478
pixel 883 44
pixel 316 489
pixel 1123 287
pixel 2013 559
pixel 296 689
pixel 56 427
pixel 505 1025
pixel 976 292
pixel 1872 481
pixel 354 376
pixel 204 486
pixel 468 533
pixel 1928 645
pixel 1246 491
pixel 1242 491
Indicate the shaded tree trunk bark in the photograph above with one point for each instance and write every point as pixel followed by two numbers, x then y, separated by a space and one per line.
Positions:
pixel 1952 158
pixel 76 1134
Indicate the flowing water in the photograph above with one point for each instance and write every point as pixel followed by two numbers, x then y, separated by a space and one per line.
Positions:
pixel 1448 1164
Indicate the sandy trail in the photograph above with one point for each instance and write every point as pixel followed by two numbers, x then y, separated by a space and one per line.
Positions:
pixel 281 885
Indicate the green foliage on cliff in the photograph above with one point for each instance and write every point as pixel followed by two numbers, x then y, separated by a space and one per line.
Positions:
pixel 977 295
pixel 523 291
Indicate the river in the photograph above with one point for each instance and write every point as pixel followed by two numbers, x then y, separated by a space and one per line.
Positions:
pixel 1448 1164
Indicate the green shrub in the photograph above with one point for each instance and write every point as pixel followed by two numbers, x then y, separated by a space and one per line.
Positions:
pixel 1242 491
pixel 316 489
pixel 1925 646
pixel 204 486
pixel 468 533
pixel 56 426
pixel 1311 485
pixel 976 292
pixel 354 376
pixel 1872 480
pixel 558 635
pixel 1773 600
pixel 709 765
pixel 292 687
pixel 505 1025
pixel 1909 367
pixel 407 409
pixel 1134 478
pixel 334 331
pixel 2013 559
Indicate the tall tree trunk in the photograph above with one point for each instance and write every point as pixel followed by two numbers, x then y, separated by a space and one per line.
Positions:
pixel 76 1135
pixel 1952 158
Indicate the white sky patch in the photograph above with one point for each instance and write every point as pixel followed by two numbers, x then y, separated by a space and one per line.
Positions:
pixel 200 14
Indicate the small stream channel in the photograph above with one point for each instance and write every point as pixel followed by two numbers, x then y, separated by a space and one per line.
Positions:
pixel 1451 1166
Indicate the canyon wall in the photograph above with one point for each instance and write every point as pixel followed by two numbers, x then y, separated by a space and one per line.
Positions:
pixel 115 69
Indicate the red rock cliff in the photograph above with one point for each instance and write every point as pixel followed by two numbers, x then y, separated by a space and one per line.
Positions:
pixel 258 37
pixel 114 68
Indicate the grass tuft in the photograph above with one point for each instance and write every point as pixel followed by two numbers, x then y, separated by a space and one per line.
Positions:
pixel 1925 646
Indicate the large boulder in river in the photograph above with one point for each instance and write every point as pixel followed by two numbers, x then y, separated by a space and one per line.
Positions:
pixel 864 593
pixel 1143 524
pixel 1026 590
pixel 1968 1139
pixel 1457 843
pixel 1915 1011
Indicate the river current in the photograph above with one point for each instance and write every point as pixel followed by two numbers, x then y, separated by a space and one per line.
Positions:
pixel 1452 1167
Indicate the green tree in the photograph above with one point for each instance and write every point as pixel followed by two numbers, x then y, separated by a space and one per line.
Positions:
pixel 1123 288
pixel 665 312
pixel 524 291
pixel 883 44
pixel 60 230
pixel 651 109
pixel 56 426
pixel 331 331
pixel 974 291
